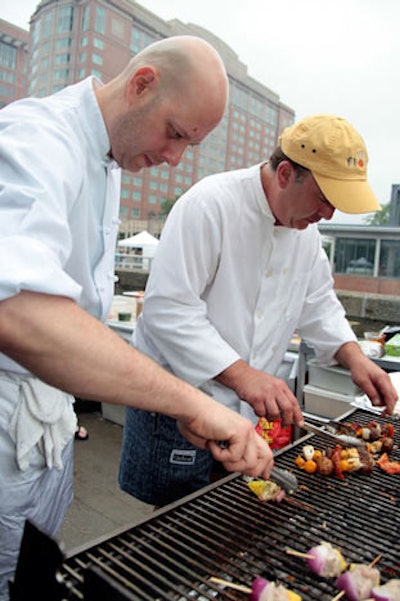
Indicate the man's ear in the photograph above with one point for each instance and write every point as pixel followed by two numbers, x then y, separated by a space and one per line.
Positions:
pixel 142 81
pixel 284 171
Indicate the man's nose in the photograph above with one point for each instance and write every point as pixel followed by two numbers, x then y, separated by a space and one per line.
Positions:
pixel 327 210
pixel 173 152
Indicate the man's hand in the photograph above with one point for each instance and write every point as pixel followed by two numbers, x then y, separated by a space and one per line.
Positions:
pixel 373 380
pixel 269 396
pixel 243 450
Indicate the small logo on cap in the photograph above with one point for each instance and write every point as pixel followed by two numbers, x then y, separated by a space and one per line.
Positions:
pixel 357 161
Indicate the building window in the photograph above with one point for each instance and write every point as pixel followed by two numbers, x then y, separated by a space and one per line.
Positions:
pixel 6 76
pixel 47 25
pixel 63 43
pixel 86 18
pixel 61 59
pixel 65 19
pixel 35 33
pixel 99 44
pixel 135 213
pixel 389 260
pixel 117 28
pixel 61 74
pixel 135 41
pixel 81 73
pixel 97 59
pixel 136 196
pixel 153 199
pixel 124 193
pixel 82 57
pixel 100 20
pixel 137 181
pixel 140 39
pixel 355 256
pixel 96 73
pixel 8 56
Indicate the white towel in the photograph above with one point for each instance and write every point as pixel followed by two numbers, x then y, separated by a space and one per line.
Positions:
pixel 43 416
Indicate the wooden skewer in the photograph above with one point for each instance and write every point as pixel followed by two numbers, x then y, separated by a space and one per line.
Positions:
pixel 375 561
pixel 371 565
pixel 238 587
pixel 299 554
pixel 338 596
pixel 246 589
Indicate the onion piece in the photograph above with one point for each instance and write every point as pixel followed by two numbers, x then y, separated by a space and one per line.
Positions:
pixel 324 560
pixel 308 452
pixel 358 581
pixel 257 587
pixel 387 592
pixel 264 590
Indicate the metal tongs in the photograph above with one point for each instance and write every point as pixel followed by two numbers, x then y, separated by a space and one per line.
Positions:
pixel 284 479
pixel 342 439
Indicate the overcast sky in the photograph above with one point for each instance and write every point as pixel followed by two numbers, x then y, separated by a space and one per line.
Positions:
pixel 319 56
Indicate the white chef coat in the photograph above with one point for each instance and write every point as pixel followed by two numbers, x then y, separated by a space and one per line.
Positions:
pixel 59 200
pixel 226 283
pixel 59 207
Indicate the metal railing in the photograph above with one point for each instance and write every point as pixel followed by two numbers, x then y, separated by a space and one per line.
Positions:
pixel 132 262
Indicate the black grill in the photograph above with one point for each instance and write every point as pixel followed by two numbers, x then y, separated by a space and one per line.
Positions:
pixel 226 532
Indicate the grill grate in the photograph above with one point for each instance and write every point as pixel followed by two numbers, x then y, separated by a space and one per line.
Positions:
pixel 225 531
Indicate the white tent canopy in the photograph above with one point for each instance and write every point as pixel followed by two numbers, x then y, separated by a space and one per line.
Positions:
pixel 143 240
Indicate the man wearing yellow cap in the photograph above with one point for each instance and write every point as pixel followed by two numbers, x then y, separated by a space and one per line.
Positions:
pixel 239 268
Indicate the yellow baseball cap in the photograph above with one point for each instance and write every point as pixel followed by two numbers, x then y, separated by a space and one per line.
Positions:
pixel 336 155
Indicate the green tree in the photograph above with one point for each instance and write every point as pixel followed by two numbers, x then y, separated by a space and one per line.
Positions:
pixel 379 217
pixel 167 204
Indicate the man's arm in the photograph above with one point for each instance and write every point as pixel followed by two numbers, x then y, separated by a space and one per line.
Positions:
pixel 64 346
pixel 373 380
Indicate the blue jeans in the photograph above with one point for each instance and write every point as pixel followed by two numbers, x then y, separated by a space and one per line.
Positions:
pixel 159 466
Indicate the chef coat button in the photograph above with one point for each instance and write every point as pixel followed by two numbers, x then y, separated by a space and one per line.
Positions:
pixel 268 273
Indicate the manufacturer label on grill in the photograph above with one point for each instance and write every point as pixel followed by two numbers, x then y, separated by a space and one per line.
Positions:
pixel 182 457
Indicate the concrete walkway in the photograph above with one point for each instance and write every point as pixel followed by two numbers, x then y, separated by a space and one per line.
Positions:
pixel 99 507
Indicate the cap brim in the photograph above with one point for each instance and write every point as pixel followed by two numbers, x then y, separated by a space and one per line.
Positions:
pixel 348 196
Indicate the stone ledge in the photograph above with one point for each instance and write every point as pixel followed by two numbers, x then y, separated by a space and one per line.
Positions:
pixel 378 307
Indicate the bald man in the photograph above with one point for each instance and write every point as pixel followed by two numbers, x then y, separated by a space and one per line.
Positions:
pixel 61 160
